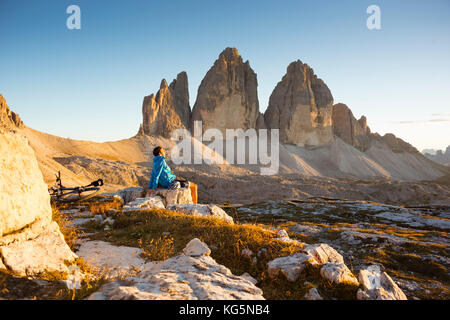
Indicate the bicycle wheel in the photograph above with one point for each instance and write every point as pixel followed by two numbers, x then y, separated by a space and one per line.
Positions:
pixel 76 196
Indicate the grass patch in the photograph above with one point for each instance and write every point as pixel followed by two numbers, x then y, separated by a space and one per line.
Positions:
pixel 162 234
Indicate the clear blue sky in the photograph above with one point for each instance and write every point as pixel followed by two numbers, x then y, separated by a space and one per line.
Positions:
pixel 89 83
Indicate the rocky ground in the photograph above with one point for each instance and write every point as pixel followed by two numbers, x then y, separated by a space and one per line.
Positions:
pixel 313 249
pixel 412 243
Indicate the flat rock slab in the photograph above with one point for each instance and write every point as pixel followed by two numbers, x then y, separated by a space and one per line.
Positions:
pixel 113 261
pixel 46 253
pixel 202 210
pixel 181 277
pixel 140 204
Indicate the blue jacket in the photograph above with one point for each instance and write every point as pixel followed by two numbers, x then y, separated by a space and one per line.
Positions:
pixel 161 173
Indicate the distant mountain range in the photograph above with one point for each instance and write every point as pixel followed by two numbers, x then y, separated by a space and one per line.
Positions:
pixel 440 156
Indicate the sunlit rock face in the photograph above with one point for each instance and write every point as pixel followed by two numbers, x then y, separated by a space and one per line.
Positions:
pixel 30 242
pixel 227 97
pixel 301 106
pixel 8 120
pixel 352 131
pixel 168 110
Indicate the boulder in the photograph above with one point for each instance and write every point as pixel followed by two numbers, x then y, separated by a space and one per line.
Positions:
pixel 338 273
pixel 378 285
pixel 168 110
pixel 30 242
pixel 290 266
pixel 176 196
pixel 24 197
pixel 323 253
pixel 145 204
pixel 227 97
pixel 300 106
pixel 187 277
pixel 202 210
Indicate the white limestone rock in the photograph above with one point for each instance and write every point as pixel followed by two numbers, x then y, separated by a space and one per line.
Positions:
pixel 378 285
pixel 181 277
pixel 46 253
pixel 30 242
pixel 202 210
pixel 196 248
pixel 110 260
pixel 290 266
pixel 313 294
pixel 144 204
pixel 176 196
pixel 338 273
pixel 323 253
pixel 24 196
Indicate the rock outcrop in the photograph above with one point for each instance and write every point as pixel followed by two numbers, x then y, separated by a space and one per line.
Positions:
pixel 378 285
pixel 168 110
pixel 8 120
pixel 191 275
pixel 352 131
pixel 202 210
pixel 398 145
pixel 300 106
pixel 30 242
pixel 227 97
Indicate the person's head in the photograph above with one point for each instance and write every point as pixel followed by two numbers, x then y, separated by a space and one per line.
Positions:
pixel 159 151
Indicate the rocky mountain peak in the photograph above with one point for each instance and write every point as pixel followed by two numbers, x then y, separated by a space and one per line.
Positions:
pixel 9 120
pixel 168 110
pixel 352 131
pixel 300 106
pixel 163 84
pixel 227 97
pixel 230 54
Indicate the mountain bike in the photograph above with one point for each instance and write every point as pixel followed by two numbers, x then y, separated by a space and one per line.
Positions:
pixel 59 193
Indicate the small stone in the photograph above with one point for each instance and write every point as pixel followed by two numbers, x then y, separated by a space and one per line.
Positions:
pixel 313 294
pixel 109 221
pixel 196 248
pixel 98 218
pixel 247 253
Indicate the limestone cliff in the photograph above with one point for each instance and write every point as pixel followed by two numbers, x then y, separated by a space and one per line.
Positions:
pixel 300 106
pixel 352 131
pixel 227 97
pixel 168 110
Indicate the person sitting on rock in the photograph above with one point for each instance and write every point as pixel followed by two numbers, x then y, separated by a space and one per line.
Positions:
pixel 163 177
